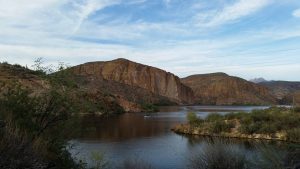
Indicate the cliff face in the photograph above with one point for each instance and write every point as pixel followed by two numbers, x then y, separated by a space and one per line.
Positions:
pixel 284 91
pixel 133 74
pixel 221 89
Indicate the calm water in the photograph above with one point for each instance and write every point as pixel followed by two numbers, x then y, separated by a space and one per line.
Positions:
pixel 132 136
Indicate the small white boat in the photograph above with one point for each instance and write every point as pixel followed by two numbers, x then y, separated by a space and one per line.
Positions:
pixel 147 115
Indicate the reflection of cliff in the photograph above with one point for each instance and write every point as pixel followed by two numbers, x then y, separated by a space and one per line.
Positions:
pixel 126 126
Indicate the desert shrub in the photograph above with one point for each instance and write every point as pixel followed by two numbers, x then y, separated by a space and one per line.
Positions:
pixel 231 116
pixel 221 126
pixel 214 117
pixel 192 117
pixel 293 134
pixel 267 128
pixel 37 126
pixel 249 128
pixel 258 115
pixel 219 155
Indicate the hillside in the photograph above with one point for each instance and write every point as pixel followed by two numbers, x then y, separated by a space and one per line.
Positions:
pixel 107 87
pixel 222 89
pixel 28 78
pixel 283 90
pixel 143 80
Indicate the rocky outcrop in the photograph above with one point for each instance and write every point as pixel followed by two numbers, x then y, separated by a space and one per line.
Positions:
pixel 222 89
pixel 150 79
pixel 284 91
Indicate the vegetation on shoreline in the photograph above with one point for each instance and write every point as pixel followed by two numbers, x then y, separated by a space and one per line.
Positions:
pixel 278 123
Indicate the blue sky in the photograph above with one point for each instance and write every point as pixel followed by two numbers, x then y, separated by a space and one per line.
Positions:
pixel 245 38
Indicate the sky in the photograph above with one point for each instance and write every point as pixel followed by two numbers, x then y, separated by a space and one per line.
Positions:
pixel 245 38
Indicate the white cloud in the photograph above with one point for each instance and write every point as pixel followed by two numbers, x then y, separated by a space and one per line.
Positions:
pixel 88 7
pixel 296 13
pixel 21 8
pixel 48 28
pixel 230 13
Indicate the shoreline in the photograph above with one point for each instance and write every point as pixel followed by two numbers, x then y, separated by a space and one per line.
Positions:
pixel 186 129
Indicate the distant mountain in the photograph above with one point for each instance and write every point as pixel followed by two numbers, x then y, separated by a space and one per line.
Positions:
pixel 258 80
pixel 222 89
pixel 283 90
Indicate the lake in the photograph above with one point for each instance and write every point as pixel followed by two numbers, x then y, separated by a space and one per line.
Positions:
pixel 132 136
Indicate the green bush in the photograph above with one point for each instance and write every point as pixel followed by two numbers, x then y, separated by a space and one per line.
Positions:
pixel 214 117
pixel 192 117
pixel 36 126
pixel 221 126
pixel 267 128
pixel 194 120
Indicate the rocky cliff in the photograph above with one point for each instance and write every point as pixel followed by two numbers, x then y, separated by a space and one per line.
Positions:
pixel 284 91
pixel 222 89
pixel 146 78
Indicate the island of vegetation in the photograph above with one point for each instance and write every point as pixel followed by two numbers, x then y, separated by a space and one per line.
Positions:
pixel 275 123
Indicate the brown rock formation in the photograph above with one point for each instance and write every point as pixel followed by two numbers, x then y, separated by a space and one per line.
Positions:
pixel 222 89
pixel 284 91
pixel 136 75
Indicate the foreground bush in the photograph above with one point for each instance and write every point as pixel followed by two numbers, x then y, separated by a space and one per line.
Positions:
pixel 36 129
pixel 219 155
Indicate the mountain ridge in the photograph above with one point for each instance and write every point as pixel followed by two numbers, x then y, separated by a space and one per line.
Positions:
pixel 132 86
pixel 223 89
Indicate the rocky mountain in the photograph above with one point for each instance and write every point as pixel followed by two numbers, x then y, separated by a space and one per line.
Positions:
pixel 108 87
pixel 283 90
pixel 258 80
pixel 141 79
pixel 122 85
pixel 222 89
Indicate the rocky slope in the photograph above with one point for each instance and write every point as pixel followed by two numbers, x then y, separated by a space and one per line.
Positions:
pixel 36 83
pixel 222 89
pixel 27 78
pixel 139 77
pixel 284 91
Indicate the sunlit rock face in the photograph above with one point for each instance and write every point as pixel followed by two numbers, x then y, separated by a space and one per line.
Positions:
pixel 222 89
pixel 134 74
